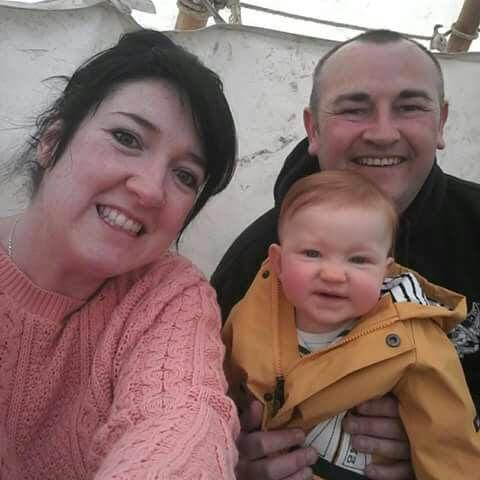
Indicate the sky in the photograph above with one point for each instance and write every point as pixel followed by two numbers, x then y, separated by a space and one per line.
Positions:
pixel 408 16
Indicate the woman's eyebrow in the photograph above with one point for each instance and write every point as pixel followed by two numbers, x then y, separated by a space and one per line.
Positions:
pixel 139 119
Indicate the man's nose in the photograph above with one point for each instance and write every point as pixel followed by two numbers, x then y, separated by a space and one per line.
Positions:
pixel 382 130
pixel 333 273
pixel 149 187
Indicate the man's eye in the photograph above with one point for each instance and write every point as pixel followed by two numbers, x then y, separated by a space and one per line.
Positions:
pixel 126 139
pixel 359 260
pixel 311 253
pixel 354 111
pixel 187 178
pixel 411 108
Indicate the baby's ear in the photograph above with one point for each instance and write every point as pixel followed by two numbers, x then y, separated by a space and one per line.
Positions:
pixel 275 257
pixel 390 261
pixel 48 141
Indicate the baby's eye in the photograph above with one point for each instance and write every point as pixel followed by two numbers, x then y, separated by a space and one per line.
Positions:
pixel 359 260
pixel 126 139
pixel 310 253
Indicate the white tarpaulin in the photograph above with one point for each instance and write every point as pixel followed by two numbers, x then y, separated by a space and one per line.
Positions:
pixel 267 77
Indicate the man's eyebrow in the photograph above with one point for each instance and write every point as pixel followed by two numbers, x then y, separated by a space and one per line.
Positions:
pixel 365 97
pixel 352 97
pixel 414 93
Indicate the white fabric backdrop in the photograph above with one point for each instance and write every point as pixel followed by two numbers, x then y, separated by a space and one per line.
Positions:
pixel 267 77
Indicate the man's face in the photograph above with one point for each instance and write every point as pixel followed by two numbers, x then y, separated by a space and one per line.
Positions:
pixel 379 114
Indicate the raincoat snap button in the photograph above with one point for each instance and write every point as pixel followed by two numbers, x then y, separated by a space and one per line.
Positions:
pixel 393 340
pixel 268 397
pixel 266 274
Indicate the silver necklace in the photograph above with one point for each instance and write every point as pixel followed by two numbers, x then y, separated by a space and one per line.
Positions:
pixel 10 238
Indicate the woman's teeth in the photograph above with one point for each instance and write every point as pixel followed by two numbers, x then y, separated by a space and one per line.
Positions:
pixel 118 219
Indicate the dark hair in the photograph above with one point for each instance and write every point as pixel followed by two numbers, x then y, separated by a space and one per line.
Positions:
pixel 145 54
pixel 378 37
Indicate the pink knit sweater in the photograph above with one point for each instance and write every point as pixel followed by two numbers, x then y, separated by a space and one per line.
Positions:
pixel 126 386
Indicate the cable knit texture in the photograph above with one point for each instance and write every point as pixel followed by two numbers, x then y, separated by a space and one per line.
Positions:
pixel 126 386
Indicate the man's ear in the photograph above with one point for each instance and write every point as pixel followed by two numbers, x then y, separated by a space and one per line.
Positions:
pixel 390 261
pixel 47 143
pixel 441 127
pixel 275 257
pixel 311 128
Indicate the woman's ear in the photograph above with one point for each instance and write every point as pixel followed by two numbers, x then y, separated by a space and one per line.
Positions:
pixel 48 142
pixel 275 257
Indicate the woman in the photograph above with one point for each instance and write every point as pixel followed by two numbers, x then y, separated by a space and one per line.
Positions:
pixel 110 355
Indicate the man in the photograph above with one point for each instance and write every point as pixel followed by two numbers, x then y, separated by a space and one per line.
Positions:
pixel 377 107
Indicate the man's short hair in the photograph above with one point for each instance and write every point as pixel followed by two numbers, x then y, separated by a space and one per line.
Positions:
pixel 337 188
pixel 378 37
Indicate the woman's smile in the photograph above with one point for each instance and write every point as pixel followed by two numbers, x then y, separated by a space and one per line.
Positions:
pixel 119 220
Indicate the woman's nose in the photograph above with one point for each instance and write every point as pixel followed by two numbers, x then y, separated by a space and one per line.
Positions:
pixel 149 188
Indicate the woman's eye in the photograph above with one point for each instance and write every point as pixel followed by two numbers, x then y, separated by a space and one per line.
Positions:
pixel 126 139
pixel 311 253
pixel 187 178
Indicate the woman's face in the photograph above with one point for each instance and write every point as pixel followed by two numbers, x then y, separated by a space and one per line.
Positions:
pixel 122 189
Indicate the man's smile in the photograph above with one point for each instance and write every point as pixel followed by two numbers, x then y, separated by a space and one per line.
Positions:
pixel 379 161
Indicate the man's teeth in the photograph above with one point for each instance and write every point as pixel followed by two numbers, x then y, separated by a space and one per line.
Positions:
pixel 118 219
pixel 378 162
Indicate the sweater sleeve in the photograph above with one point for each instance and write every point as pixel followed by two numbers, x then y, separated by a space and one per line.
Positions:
pixel 437 410
pixel 170 417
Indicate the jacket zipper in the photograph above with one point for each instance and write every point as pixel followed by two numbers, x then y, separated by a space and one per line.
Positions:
pixel 279 392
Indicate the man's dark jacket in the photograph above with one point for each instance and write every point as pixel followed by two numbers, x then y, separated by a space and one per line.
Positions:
pixel 439 237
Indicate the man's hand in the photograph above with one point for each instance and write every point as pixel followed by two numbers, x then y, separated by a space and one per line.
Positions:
pixel 265 455
pixel 376 428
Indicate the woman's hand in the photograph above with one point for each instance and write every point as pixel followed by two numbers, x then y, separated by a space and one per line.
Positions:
pixel 376 428
pixel 262 454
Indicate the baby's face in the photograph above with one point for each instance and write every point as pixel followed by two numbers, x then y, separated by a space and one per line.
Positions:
pixel 332 262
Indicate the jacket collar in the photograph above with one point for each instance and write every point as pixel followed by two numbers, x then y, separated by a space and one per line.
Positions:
pixel 420 213
pixel 297 165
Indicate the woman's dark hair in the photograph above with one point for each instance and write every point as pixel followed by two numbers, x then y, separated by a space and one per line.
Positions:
pixel 145 54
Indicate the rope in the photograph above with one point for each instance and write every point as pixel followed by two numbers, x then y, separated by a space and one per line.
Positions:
pixel 236 14
pixel 463 35
pixel 317 20
pixel 205 8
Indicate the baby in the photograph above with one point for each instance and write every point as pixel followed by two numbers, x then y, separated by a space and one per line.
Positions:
pixel 324 327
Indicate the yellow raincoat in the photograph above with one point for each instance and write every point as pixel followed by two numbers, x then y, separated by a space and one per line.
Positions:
pixel 397 347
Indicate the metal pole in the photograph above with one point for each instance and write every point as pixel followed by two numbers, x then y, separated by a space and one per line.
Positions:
pixel 464 30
